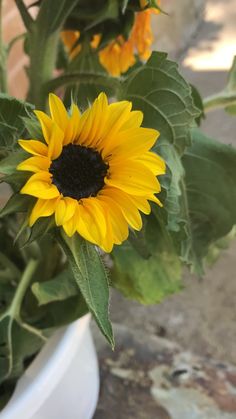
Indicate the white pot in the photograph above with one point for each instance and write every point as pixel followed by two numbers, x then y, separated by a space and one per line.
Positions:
pixel 62 382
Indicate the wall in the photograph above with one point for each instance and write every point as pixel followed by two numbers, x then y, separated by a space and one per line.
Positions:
pixel 173 32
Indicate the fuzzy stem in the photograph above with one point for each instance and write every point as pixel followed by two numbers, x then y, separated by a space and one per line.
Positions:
pixel 43 53
pixel 219 100
pixel 22 288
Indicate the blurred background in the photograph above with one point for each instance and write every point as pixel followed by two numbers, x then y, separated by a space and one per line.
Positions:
pixel 175 360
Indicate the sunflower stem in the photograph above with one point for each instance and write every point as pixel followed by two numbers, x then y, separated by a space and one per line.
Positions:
pixel 219 101
pixel 22 287
pixel 43 54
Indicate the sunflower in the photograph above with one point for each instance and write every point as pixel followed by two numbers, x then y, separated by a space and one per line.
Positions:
pixel 94 171
pixel 119 55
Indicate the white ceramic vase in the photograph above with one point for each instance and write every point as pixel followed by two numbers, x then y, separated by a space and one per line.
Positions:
pixel 63 380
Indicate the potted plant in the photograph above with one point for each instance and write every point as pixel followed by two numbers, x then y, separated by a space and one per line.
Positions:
pixel 92 187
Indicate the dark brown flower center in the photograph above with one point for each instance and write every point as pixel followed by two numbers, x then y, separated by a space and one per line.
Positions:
pixel 78 172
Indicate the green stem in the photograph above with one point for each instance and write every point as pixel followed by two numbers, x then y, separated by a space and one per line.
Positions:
pixel 82 78
pixel 3 58
pixel 219 100
pixel 43 53
pixel 25 16
pixel 26 278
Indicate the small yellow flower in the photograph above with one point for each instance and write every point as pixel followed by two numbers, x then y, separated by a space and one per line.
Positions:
pixel 95 172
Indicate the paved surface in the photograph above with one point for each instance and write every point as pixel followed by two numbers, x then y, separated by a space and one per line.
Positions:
pixel 139 380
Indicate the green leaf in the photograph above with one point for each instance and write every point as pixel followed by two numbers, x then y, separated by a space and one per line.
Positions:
pixel 33 126
pixel 91 277
pixel 197 100
pixel 210 194
pixel 165 98
pixel 52 15
pixel 11 124
pixel 60 288
pixel 89 13
pixel 16 180
pixel 148 280
pixel 9 164
pixel 16 203
pixel 25 15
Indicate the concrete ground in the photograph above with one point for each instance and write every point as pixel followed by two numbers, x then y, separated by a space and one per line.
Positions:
pixel 137 380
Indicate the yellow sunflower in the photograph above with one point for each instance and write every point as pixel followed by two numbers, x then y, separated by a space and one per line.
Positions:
pixel 94 171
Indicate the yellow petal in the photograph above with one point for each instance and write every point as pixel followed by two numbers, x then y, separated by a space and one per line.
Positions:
pixel 46 123
pixel 117 221
pixel 134 179
pixel 35 164
pixel 55 142
pixel 130 143
pixel 58 111
pixel 109 239
pixel 127 206
pixel 34 147
pixel 42 208
pixel 118 114
pixel 91 221
pixel 71 132
pixel 134 121
pixel 100 114
pixel 65 210
pixel 156 200
pixel 141 203
pixel 154 162
pixel 71 225
pixel 40 186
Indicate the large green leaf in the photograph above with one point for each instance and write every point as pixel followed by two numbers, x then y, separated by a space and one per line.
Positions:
pixel 210 194
pixel 91 13
pixel 52 15
pixel 150 278
pixel 60 288
pixel 11 124
pixel 165 98
pixel 91 277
